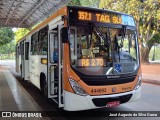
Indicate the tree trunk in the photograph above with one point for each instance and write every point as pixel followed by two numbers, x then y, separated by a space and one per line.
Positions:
pixel 145 54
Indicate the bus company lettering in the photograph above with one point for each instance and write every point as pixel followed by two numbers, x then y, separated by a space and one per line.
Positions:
pixel 113 76
pixel 127 88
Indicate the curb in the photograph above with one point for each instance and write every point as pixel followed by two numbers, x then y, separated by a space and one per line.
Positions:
pixel 151 81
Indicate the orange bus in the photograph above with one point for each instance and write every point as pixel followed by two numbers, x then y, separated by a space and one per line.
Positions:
pixel 83 58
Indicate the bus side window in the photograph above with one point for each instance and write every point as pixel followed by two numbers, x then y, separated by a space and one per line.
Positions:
pixel 19 51
pixel 73 44
pixel 42 42
pixel 26 50
pixel 55 52
pixel 22 48
pixel 34 41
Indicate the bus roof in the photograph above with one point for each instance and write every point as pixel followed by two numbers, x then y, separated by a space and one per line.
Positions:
pixel 64 11
pixel 61 11
pixel 99 9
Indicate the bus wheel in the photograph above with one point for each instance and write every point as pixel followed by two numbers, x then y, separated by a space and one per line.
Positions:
pixel 45 93
pixel 43 85
pixel 45 90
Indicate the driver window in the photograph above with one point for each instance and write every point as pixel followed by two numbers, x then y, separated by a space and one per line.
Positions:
pixel 132 44
pixel 73 44
pixel 124 47
pixel 55 51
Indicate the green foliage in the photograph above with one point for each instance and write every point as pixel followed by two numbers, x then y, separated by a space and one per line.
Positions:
pixel 75 3
pixel 155 39
pixel 127 6
pixel 8 48
pixel 7 51
pixel 147 16
pixel 157 55
pixel 6 35
pixel 88 3
pixel 20 33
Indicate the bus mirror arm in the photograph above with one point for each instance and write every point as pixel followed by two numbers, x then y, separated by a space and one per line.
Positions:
pixel 64 35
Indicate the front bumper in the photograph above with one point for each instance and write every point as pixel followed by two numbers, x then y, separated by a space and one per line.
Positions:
pixel 74 102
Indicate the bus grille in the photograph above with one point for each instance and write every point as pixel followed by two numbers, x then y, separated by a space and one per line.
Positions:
pixel 94 81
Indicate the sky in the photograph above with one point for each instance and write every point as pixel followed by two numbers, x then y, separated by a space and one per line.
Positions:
pixel 14 29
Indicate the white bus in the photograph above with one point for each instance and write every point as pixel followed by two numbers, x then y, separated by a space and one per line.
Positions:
pixel 83 58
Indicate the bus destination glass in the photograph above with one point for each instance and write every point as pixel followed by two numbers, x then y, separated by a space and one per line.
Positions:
pixel 102 16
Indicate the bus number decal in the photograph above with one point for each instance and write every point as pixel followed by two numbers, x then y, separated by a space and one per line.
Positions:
pixel 100 90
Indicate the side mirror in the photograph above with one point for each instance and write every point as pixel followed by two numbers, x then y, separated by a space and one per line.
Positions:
pixel 64 34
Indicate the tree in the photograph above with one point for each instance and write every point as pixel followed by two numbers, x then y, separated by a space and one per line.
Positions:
pixel 6 35
pixel 147 16
pixel 75 3
pixel 7 49
pixel 21 32
pixel 89 3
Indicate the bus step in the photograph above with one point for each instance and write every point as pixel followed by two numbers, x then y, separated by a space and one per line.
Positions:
pixel 55 99
pixel 54 81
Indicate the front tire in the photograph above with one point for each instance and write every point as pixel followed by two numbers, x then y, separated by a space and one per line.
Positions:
pixel 45 90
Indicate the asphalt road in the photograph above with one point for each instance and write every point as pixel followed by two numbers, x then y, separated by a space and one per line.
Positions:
pixel 150 101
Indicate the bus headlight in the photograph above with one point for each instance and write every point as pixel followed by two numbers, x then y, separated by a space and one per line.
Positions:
pixel 139 82
pixel 77 88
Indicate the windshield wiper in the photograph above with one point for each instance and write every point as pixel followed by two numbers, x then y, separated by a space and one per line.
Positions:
pixel 99 33
pixel 123 35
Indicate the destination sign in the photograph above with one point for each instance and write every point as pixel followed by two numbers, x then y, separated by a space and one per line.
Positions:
pixel 101 16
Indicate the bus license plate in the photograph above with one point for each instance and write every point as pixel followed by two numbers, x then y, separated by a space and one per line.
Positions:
pixel 113 104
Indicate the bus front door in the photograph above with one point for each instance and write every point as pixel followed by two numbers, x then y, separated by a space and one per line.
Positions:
pixel 24 48
pixel 26 61
pixel 22 65
pixel 54 65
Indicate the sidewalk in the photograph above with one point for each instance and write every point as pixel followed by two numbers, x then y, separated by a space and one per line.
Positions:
pixel 151 73
pixel 151 78
pixel 14 98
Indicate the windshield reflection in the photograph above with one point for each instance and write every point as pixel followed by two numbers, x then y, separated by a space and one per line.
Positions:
pixel 103 50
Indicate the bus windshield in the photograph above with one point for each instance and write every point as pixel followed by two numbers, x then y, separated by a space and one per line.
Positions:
pixel 100 50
